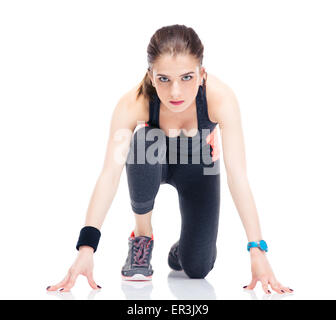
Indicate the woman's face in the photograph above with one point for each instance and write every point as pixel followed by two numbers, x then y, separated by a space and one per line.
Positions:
pixel 175 79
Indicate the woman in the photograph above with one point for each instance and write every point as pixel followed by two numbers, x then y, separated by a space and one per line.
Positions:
pixel 181 107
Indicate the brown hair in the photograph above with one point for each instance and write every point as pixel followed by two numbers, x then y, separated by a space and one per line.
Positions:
pixel 174 39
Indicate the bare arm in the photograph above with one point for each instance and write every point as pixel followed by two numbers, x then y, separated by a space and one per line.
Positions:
pixel 229 120
pixel 228 116
pixel 124 120
pixel 123 123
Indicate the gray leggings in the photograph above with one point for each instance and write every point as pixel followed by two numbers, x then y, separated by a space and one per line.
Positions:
pixel 198 194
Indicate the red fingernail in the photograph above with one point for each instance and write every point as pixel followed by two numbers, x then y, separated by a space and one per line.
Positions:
pixel 245 287
pixel 61 289
pixel 291 289
pixel 99 286
pixel 48 287
pixel 268 291
pixel 282 291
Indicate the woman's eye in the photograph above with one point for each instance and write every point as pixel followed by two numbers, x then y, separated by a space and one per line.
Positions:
pixel 168 80
pixel 188 76
pixel 162 78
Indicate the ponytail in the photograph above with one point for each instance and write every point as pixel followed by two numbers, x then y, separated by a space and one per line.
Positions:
pixel 146 87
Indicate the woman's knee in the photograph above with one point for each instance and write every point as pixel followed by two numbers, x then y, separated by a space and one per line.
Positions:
pixel 198 267
pixel 199 272
pixel 142 207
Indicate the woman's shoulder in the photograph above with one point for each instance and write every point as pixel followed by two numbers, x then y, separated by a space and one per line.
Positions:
pixel 138 105
pixel 216 93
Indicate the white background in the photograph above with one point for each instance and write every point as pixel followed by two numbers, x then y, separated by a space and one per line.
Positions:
pixel 63 67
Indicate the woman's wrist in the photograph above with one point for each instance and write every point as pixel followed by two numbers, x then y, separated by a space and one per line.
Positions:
pixel 86 249
pixel 256 252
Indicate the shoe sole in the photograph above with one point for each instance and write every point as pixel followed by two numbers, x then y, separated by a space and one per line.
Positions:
pixel 137 277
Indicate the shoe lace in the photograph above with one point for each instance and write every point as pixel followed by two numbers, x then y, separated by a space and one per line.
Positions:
pixel 141 250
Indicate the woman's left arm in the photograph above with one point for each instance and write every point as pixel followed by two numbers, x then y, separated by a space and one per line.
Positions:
pixel 227 115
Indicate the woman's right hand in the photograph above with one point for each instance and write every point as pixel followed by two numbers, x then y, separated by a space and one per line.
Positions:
pixel 83 265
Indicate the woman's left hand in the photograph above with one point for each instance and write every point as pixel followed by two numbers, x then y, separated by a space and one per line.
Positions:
pixel 262 271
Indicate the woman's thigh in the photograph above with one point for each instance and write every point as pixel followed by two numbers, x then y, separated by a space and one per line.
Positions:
pixel 145 168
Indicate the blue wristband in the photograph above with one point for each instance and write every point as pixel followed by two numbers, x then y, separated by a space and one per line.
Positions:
pixel 262 245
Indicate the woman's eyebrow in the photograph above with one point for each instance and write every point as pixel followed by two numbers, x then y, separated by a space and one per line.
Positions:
pixel 184 74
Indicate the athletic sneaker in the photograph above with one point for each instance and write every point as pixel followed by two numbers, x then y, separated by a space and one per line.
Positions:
pixel 137 265
pixel 173 260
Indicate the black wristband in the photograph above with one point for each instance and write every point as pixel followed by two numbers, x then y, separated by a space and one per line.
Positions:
pixel 88 236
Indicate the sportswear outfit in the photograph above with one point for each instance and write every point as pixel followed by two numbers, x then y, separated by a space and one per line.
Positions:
pixel 192 166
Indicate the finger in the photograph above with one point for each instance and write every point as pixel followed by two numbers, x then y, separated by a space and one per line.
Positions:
pixel 60 284
pixel 276 286
pixel 286 289
pixel 264 284
pixel 282 288
pixel 92 283
pixel 252 285
pixel 71 282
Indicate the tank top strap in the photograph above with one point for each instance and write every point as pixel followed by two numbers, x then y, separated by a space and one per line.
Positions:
pixel 204 120
pixel 154 105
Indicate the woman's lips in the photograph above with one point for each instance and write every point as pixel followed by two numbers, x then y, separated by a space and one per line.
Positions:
pixel 175 103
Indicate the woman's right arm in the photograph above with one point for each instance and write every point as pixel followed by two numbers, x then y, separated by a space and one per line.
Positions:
pixel 123 122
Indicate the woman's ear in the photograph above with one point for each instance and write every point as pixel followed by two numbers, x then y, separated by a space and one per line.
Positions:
pixel 203 75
